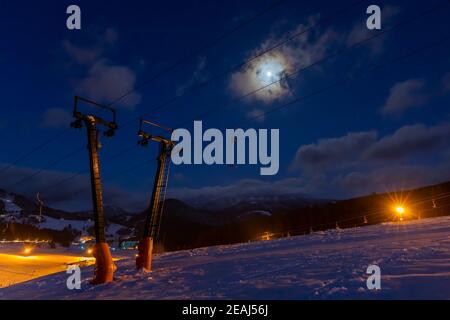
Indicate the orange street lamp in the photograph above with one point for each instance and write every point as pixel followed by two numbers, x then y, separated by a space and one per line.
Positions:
pixel 400 210
pixel 27 251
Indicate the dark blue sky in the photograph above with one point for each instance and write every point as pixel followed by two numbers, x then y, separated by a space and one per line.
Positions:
pixel 384 130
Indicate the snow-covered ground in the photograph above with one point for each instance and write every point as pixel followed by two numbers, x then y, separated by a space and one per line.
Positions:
pixel 9 205
pixel 414 258
pixel 81 225
pixel 59 224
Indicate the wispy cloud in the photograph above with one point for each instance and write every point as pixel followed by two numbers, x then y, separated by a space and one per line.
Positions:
pixel 241 189
pixel 333 153
pixel 274 65
pixel 365 148
pixel 86 55
pixel 405 95
pixel 409 140
pixel 359 32
pixel 104 81
pixel 389 178
pixel 198 75
pixel 257 115
pixel 363 162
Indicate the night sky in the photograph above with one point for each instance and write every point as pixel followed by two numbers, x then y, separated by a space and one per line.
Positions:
pixel 382 130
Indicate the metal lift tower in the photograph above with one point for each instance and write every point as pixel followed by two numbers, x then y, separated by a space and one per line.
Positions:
pixel 104 266
pixel 153 219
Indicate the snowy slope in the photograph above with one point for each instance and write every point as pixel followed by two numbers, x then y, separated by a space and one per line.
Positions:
pixel 414 258
pixel 9 206
pixel 60 224
pixel 81 225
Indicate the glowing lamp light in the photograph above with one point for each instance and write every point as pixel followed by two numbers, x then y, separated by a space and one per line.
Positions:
pixel 266 236
pixel 400 210
pixel 27 251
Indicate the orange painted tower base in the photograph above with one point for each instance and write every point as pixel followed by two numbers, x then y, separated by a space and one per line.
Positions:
pixel 104 265
pixel 144 258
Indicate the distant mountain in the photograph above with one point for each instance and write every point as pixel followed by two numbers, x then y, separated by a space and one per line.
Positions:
pixel 31 207
pixel 232 219
pixel 180 211
pixel 251 198
pixel 216 212
pixel 110 212
pixel 19 210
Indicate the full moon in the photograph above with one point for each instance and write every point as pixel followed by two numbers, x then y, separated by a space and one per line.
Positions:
pixel 269 71
pixel 267 77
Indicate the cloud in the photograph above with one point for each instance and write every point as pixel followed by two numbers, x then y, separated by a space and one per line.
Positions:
pixel 301 50
pixel 56 118
pixel 277 64
pixel 250 80
pixel 405 95
pixel 409 140
pixel 239 190
pixel 90 54
pixel 257 115
pixel 362 162
pixel 333 152
pixel 354 164
pixel 359 33
pixel 357 148
pixel 82 55
pixel 72 195
pixel 105 82
pixel 353 183
pixel 391 177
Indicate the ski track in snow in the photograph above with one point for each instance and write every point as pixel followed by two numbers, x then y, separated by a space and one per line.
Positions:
pixel 414 258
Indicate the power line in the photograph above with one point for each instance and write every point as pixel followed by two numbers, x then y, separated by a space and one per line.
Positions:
pixel 85 171
pixel 211 43
pixel 347 79
pixel 246 95
pixel 117 174
pixel 356 44
pixel 39 171
pixel 289 103
pixel 193 88
pixel 208 45
pixel 37 148
pixel 378 66
pixel 67 156
pixel 319 61
pixel 200 85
